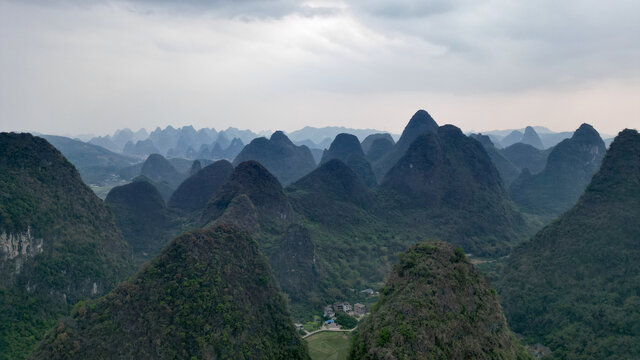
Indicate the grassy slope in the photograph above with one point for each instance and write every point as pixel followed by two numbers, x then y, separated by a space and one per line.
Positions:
pixel 329 345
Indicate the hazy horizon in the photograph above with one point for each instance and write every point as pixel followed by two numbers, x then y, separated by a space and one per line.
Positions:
pixel 71 67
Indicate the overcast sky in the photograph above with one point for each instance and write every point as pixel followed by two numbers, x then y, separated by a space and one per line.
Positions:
pixel 81 66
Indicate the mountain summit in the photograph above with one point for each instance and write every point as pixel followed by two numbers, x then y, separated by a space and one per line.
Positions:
pixel 280 156
pixel 420 123
pixel 436 305
pixel 570 166
pixel 574 285
pixel 209 295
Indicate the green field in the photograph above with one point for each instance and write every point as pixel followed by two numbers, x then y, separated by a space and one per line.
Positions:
pixel 329 345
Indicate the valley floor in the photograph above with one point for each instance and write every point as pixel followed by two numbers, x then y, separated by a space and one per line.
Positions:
pixel 329 345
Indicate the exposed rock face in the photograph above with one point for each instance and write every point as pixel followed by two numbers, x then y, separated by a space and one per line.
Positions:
pixel 57 239
pixel 209 295
pixel 435 305
pixel 17 249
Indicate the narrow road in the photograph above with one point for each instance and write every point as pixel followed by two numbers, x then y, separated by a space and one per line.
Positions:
pixel 323 330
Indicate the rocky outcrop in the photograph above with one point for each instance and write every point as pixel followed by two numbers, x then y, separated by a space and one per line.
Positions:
pixel 17 248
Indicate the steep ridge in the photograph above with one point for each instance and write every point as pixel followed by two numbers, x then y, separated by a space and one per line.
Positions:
pixel 194 193
pixel 420 123
pixel 514 137
pixel 508 171
pixel 160 170
pixel 252 197
pixel 346 148
pixel 531 137
pixel 280 156
pixel 569 168
pixel 209 295
pixel 58 241
pixel 574 285
pixel 446 187
pixel 379 148
pixel 435 305
pixel 141 214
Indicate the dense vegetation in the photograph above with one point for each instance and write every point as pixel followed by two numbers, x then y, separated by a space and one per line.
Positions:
pixel 194 193
pixel 142 216
pixel 209 295
pixel 435 305
pixel 280 156
pixel 569 168
pixel 574 285
pixel 346 147
pixel 95 164
pixel 69 247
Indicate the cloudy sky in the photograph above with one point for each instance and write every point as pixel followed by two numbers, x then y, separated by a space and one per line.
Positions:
pixel 82 66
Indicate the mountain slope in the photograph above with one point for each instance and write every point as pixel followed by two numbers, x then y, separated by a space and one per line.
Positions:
pixel 525 156
pixel 435 305
pixel 58 241
pixel 574 285
pixel 141 214
pixel 531 137
pixel 280 156
pixel 209 295
pixel 251 197
pixel 508 171
pixel 346 148
pixel 569 168
pixel 95 164
pixel 447 187
pixel 194 193
pixel 419 123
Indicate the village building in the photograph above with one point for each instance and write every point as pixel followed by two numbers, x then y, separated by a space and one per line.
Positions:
pixel 342 307
pixel 359 309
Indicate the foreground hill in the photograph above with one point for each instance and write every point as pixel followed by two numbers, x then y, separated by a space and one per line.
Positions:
pixel 569 168
pixel 574 285
pixel 435 305
pixel 446 187
pixel 58 242
pixel 209 295
pixel 280 156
